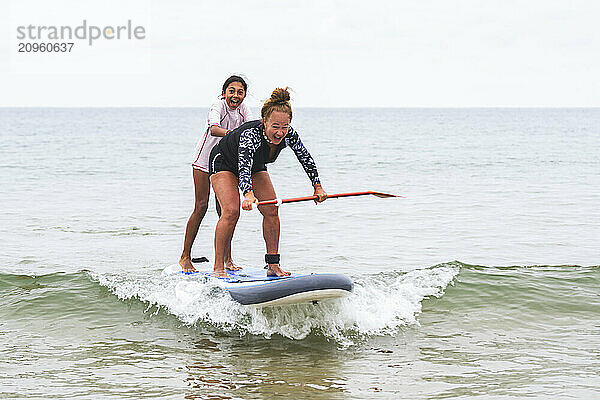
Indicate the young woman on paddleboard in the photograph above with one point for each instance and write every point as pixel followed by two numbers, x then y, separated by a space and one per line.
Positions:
pixel 240 160
pixel 227 113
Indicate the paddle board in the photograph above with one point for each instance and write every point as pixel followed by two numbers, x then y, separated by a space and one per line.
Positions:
pixel 252 286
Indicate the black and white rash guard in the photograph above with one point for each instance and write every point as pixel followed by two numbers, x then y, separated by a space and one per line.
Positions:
pixel 245 151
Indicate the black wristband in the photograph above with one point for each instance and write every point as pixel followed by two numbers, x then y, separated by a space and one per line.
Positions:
pixel 272 258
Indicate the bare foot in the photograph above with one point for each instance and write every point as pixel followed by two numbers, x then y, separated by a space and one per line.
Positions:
pixel 230 266
pixel 219 273
pixel 186 264
pixel 274 270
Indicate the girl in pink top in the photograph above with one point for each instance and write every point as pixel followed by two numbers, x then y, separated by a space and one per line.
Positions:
pixel 227 113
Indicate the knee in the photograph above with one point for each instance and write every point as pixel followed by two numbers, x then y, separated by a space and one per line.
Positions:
pixel 269 211
pixel 230 215
pixel 200 206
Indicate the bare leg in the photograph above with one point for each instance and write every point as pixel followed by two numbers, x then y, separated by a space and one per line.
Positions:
pixel 201 194
pixel 225 186
pixel 229 264
pixel 263 190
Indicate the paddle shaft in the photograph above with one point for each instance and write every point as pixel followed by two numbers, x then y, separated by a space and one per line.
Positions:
pixel 329 196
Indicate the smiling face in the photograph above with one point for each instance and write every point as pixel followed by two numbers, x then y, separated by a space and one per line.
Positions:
pixel 234 94
pixel 276 126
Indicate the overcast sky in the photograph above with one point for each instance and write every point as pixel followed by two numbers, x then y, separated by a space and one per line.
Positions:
pixel 367 53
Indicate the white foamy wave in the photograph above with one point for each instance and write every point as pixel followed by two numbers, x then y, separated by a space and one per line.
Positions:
pixel 384 302
pixel 379 306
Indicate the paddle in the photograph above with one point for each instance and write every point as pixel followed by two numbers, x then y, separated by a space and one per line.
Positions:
pixel 278 202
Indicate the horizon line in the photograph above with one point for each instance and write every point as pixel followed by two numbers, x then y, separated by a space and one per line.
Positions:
pixel 327 107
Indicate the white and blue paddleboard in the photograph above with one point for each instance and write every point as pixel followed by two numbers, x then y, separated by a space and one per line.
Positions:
pixel 252 286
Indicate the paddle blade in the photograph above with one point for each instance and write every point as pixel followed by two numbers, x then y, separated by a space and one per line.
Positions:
pixel 384 195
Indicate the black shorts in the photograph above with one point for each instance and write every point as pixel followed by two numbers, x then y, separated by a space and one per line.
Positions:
pixel 217 163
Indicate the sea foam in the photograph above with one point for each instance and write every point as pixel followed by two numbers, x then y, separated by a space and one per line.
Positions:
pixel 381 304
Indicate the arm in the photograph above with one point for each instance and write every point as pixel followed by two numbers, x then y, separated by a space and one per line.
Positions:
pixel 307 162
pixel 214 119
pixel 249 142
pixel 216 130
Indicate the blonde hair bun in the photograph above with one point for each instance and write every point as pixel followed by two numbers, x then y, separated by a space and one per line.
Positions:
pixel 279 101
pixel 280 96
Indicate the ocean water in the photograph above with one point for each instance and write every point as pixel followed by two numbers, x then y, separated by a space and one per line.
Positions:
pixel 484 282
